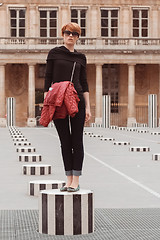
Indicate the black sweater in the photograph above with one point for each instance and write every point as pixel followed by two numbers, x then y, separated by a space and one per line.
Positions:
pixel 59 68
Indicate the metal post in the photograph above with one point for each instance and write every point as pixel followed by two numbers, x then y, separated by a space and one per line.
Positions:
pixel 152 110
pixel 11 111
pixel 106 111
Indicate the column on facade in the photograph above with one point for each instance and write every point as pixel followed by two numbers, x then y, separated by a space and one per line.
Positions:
pixel 32 20
pixel 94 19
pixel 154 26
pixel 2 96
pixel 65 15
pixel 31 96
pixel 98 110
pixel 159 99
pixel 131 95
pixel 124 20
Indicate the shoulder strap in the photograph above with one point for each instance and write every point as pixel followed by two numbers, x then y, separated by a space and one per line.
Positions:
pixel 74 65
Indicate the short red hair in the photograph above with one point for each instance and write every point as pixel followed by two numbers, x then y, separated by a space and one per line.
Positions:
pixel 72 26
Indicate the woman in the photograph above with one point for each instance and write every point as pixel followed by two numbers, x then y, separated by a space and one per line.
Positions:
pixel 59 68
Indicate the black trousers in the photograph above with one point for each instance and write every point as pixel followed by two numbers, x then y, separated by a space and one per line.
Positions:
pixel 70 131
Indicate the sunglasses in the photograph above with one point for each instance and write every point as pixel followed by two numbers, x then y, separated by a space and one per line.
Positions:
pixel 68 33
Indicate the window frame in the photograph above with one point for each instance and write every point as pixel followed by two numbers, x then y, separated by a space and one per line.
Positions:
pixel 109 21
pixel 79 9
pixel 17 27
pixel 48 28
pixel 140 21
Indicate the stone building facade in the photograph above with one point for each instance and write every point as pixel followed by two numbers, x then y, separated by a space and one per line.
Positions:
pixel 121 40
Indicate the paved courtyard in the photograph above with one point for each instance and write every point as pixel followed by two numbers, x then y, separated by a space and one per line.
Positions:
pixel 126 184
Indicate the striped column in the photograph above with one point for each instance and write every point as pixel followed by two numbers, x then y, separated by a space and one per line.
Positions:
pixel 63 213
pixel 152 111
pixel 106 111
pixel 11 118
pixel 2 96
pixel 36 169
pixel 38 185
pixel 139 149
pixel 30 158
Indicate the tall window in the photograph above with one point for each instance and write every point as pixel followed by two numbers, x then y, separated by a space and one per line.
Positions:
pixel 110 84
pixel 48 23
pixel 109 22
pixel 79 16
pixel 140 22
pixel 17 22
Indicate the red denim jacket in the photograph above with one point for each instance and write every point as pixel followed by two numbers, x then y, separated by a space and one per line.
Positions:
pixel 60 101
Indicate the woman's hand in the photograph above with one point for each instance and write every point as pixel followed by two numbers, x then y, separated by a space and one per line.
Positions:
pixel 88 115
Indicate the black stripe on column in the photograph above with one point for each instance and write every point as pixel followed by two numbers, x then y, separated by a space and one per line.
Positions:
pixel 55 186
pixel 42 186
pixel 59 209
pixel 49 170
pixel 32 189
pixel 90 212
pixel 33 170
pixel 44 214
pixel 41 170
pixel 24 170
pixel 77 214
pixel 33 158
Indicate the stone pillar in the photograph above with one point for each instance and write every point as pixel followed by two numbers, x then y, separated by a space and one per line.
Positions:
pixel 32 21
pixel 95 27
pixel 131 95
pixel 124 20
pixel 65 15
pixel 159 100
pixel 31 96
pixel 154 26
pixel 2 96
pixel 98 112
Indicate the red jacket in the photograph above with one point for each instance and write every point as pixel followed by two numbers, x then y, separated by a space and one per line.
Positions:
pixel 60 101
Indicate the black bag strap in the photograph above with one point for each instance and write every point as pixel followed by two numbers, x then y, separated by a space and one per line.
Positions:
pixel 74 65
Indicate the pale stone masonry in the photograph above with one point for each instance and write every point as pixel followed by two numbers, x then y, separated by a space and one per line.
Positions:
pixel 121 40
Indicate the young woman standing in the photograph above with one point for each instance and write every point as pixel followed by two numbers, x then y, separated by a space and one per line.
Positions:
pixel 59 68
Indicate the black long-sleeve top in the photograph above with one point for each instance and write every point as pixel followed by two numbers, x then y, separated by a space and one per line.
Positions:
pixel 59 68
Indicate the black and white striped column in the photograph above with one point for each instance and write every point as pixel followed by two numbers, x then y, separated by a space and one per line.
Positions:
pixel 30 158
pixel 152 111
pixel 106 111
pixel 156 156
pixel 38 185
pixel 121 143
pixel 36 169
pixel 139 149
pixel 22 143
pixel 63 213
pixel 11 118
pixel 26 149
